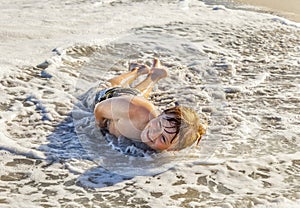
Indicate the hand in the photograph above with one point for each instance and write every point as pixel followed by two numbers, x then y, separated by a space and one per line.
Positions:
pixel 102 123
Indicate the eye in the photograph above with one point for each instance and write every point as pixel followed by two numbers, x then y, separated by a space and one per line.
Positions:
pixel 163 139
pixel 170 132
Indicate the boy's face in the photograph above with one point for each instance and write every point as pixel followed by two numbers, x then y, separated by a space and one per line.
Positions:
pixel 159 133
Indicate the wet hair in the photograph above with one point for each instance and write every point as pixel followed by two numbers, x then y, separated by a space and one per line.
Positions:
pixel 189 127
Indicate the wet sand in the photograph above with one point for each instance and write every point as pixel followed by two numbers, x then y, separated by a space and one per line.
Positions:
pixel 240 68
pixel 289 9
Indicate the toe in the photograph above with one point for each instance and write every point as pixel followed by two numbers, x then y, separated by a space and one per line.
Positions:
pixel 156 63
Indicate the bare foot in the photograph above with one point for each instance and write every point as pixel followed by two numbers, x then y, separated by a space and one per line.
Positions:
pixel 141 68
pixel 158 73
pixel 156 63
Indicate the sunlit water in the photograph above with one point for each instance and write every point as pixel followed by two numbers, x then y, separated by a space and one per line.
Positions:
pixel 184 61
pixel 241 69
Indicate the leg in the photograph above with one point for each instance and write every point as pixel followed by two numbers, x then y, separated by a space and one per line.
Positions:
pixel 126 79
pixel 156 74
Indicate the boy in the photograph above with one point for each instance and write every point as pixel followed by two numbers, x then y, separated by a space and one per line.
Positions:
pixel 127 112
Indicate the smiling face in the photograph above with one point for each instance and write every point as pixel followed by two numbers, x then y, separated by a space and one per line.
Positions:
pixel 160 133
pixel 175 129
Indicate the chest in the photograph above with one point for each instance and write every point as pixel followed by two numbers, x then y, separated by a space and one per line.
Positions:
pixel 127 128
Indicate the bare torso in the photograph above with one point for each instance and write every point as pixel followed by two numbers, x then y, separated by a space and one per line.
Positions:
pixel 127 115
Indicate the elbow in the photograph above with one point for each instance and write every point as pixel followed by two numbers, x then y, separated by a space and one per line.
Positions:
pixel 99 119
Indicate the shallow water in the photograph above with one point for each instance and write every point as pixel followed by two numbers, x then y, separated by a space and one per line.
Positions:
pixel 239 68
pixel 143 44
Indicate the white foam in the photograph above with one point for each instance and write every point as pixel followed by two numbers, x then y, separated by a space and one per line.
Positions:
pixel 15 148
pixel 250 152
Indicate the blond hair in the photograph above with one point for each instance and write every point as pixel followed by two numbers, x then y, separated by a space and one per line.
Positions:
pixel 188 124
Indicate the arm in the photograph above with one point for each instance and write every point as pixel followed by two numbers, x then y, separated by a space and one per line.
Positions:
pixel 128 115
pixel 112 109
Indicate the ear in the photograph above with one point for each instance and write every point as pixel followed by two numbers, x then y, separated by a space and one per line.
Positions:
pixel 199 137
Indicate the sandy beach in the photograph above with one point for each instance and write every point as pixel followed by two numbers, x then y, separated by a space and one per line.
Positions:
pixel 239 67
pixel 289 9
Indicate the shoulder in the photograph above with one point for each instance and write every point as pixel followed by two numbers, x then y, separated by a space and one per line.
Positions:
pixel 134 101
pixel 134 105
pixel 142 103
pixel 141 109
